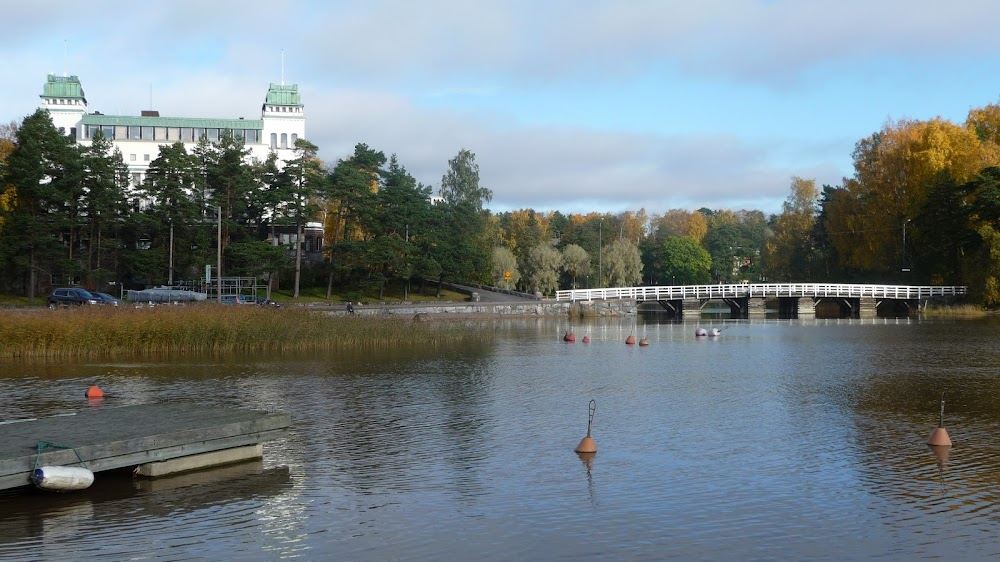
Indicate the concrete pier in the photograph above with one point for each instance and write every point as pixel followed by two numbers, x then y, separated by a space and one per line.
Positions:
pixel 691 309
pixel 867 307
pixel 107 438
pixel 806 308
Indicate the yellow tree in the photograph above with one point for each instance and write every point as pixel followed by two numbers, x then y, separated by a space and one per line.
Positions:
pixel 680 222
pixel 893 169
pixel 789 251
pixel 7 192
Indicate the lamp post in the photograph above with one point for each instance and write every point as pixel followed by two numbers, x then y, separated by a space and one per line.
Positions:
pixel 170 272
pixel 905 268
pixel 600 254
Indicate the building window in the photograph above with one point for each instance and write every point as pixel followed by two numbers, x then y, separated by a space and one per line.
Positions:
pixel 134 133
pixel 62 130
pixel 131 157
pixel 274 140
pixel 145 157
pixel 198 133
pixel 147 133
pixel 160 133
pixel 294 138
pixel 108 132
pixel 121 132
pixel 213 135
pixel 284 140
pixel 136 181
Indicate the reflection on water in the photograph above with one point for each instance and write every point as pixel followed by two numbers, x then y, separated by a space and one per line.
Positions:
pixel 778 439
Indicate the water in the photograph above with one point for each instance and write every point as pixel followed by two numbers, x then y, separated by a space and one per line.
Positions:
pixel 777 440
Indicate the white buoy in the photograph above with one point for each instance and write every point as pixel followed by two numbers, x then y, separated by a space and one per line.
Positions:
pixel 714 332
pixel 700 332
pixel 62 478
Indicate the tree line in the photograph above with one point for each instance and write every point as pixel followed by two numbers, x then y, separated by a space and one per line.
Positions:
pixel 922 207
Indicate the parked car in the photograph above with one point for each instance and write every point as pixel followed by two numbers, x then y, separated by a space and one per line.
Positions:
pixel 107 299
pixel 71 296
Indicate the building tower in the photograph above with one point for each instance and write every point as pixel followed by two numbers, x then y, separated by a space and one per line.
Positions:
pixel 63 97
pixel 284 119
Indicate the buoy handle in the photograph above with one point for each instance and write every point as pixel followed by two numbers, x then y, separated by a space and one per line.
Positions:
pixel 941 421
pixel 592 409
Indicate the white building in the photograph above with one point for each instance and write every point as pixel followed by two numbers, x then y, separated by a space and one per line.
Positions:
pixel 139 137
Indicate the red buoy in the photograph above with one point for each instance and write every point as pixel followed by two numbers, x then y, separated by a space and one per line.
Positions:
pixel 630 340
pixel 587 444
pixel 569 337
pixel 94 392
pixel 586 339
pixel 939 437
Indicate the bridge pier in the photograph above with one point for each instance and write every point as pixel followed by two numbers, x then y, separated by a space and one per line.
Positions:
pixel 867 307
pixel 691 308
pixel 806 308
pixel 756 307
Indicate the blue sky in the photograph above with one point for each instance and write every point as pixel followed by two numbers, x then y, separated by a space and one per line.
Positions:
pixel 576 106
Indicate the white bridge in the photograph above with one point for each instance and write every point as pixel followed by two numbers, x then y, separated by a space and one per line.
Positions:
pixel 764 290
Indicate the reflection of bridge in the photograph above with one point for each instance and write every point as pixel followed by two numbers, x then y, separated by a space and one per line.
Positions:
pixel 794 299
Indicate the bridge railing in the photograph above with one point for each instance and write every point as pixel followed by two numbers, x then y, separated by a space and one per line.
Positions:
pixel 741 290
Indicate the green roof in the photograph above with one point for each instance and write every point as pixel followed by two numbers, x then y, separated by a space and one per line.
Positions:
pixel 63 87
pixel 95 119
pixel 280 94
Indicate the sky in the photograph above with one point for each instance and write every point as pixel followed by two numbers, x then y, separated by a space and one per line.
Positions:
pixel 574 106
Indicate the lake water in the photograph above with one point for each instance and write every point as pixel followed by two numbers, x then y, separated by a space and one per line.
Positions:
pixel 778 440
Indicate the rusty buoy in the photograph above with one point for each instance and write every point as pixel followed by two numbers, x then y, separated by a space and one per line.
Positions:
pixel 94 392
pixel 586 339
pixel 569 337
pixel 643 342
pixel 630 340
pixel 939 437
pixel 587 444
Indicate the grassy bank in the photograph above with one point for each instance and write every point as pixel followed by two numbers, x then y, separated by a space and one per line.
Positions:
pixel 98 331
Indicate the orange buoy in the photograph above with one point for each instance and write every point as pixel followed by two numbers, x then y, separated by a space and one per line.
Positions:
pixel 586 339
pixel 587 444
pixel 643 342
pixel 630 340
pixel 94 392
pixel 569 337
pixel 939 437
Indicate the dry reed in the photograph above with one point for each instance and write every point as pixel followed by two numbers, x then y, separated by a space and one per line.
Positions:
pixel 961 310
pixel 100 331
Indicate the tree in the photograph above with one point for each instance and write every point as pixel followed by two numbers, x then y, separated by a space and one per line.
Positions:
pixel 576 260
pixel 254 258
pixel 104 203
pixel 302 182
pixel 45 169
pixel 541 266
pixel 679 222
pixel 503 263
pixel 622 263
pixel 681 260
pixel 789 252
pixel 460 184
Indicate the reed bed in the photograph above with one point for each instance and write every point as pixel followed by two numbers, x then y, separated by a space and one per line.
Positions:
pixel 957 311
pixel 210 328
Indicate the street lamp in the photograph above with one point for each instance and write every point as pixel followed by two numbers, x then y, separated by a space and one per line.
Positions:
pixel 600 254
pixel 170 272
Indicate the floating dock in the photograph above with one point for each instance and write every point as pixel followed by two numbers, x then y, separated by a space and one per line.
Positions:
pixel 158 439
